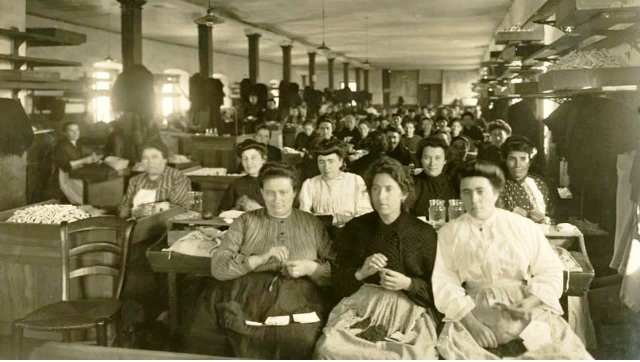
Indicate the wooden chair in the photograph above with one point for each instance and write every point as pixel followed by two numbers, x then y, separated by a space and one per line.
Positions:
pixel 95 251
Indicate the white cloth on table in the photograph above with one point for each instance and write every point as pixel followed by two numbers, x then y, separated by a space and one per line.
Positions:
pixel 500 260
pixel 71 188
pixel 625 214
pixel 144 196
pixel 344 195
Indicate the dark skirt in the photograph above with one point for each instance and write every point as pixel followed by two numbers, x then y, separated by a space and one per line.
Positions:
pixel 224 308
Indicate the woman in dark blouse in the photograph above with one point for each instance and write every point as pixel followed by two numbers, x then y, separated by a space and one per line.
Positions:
pixel 244 193
pixel 432 183
pixel 383 268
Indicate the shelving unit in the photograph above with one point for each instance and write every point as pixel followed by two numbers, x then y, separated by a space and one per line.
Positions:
pixel 18 78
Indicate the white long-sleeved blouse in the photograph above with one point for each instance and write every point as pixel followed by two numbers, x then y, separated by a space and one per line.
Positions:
pixel 501 250
pixel 344 195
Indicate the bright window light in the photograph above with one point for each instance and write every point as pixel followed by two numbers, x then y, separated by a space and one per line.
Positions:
pixel 102 109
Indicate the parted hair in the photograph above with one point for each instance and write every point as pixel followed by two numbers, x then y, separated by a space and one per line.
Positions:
pixel 433 142
pixel 393 168
pixel 501 125
pixel 330 146
pixel 278 169
pixel 155 144
pixel 520 144
pixel 480 168
pixel 249 144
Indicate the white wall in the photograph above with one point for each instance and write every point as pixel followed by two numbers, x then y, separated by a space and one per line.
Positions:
pixel 456 84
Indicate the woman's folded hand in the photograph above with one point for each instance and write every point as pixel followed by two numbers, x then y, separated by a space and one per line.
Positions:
pixel 371 265
pixel 300 268
pixel 393 280
pixel 480 332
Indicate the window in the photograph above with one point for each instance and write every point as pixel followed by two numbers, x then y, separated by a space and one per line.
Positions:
pixel 103 81
pixel 352 85
pixel 167 99
pixel 104 75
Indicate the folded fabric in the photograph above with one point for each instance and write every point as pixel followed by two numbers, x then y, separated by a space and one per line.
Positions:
pixel 195 243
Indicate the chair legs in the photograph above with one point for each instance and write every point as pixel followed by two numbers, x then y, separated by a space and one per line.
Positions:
pixel 16 348
pixel 101 332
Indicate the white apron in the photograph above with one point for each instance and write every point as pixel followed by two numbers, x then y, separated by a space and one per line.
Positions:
pixel 71 188
pixel 144 196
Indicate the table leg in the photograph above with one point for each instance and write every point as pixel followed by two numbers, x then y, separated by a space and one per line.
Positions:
pixel 173 302
pixel 85 192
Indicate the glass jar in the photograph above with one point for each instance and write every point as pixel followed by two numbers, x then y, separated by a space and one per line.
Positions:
pixel 455 209
pixel 437 212
pixel 195 201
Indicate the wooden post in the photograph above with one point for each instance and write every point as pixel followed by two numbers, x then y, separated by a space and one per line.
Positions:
pixel 358 85
pixel 366 80
pixel 386 88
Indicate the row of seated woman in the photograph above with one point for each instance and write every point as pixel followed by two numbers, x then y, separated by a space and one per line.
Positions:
pixel 343 195
pixel 388 286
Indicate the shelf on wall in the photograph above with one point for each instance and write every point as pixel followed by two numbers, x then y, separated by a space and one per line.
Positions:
pixel 28 75
pixel 59 85
pixel 39 37
pixel 577 12
pixel 585 79
pixel 508 37
pixel 587 35
pixel 38 62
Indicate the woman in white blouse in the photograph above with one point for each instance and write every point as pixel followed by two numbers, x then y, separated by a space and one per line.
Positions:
pixel 495 273
pixel 341 194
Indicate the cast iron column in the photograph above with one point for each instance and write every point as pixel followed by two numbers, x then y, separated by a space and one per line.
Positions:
pixel 312 70
pixel 366 80
pixel 358 85
pixel 254 57
pixel 330 70
pixel 205 50
pixel 345 74
pixel 131 25
pixel 286 60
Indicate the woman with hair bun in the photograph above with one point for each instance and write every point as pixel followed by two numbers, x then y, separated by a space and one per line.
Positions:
pixel 495 274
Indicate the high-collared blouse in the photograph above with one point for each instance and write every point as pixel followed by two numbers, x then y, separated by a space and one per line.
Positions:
pixel 515 194
pixel 245 185
pixel 408 243
pixel 172 185
pixel 256 232
pixel 429 188
pixel 501 250
pixel 344 195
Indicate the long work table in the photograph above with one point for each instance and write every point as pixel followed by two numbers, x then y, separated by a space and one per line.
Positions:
pixel 576 282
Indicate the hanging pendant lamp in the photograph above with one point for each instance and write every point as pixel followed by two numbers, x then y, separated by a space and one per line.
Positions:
pixel 324 49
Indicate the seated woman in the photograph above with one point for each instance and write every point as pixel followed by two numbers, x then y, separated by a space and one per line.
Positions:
pixel 432 183
pixel 341 194
pixel 69 156
pixel 158 182
pixel 383 268
pixel 271 263
pixel 244 193
pixel 495 272
pixel 377 146
pixel 524 194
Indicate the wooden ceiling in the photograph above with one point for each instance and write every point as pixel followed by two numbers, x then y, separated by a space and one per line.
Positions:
pixel 402 34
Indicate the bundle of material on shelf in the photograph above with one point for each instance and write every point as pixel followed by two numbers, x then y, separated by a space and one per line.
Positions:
pixel 589 59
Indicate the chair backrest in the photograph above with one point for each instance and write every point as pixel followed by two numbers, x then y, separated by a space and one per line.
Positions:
pixel 95 246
